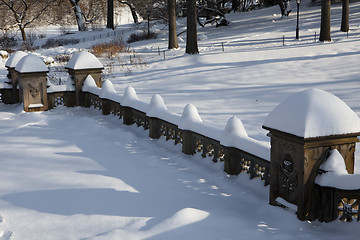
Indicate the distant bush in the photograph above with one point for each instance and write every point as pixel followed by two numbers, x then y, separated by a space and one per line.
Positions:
pixel 64 30
pixel 51 43
pixel 62 58
pixel 109 49
pixel 7 42
pixel 28 46
pixel 141 36
pixel 31 36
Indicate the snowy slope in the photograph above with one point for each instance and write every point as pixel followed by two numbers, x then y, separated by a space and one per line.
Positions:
pixel 81 175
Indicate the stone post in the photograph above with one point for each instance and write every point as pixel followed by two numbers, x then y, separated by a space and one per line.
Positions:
pixel 302 131
pixel 32 73
pixel 10 65
pixel 188 145
pixel 154 128
pixel 79 67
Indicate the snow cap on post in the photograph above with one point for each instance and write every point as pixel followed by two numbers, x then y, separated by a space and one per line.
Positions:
pixel 84 60
pixel 334 163
pixel 14 59
pixel 130 94
pixel 234 130
pixel 107 90
pixel 90 85
pixel 234 126
pixel 313 113
pixel 89 82
pixel 189 116
pixel 157 105
pixel 31 64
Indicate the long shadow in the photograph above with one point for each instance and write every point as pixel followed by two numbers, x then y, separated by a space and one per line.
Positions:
pixel 198 65
pixel 133 162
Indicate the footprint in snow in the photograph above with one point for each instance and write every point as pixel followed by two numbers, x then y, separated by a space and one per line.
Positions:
pixel 4 234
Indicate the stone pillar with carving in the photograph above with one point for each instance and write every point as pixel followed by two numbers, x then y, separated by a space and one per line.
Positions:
pixel 79 67
pixel 303 129
pixel 32 73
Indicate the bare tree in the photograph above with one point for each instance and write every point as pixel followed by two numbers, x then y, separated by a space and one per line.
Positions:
pixel 345 16
pixel 325 20
pixel 191 33
pixel 25 12
pixel 132 9
pixel 172 25
pixel 78 14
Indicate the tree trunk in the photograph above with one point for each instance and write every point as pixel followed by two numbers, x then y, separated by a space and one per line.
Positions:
pixel 110 14
pixel 172 25
pixel 23 34
pixel 191 33
pixel 345 16
pixel 78 15
pixel 282 7
pixel 133 12
pixel 325 20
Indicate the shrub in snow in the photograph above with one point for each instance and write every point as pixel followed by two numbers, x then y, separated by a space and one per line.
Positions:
pixel 51 43
pixel 145 35
pixel 62 58
pixel 28 46
pixel 7 42
pixel 109 49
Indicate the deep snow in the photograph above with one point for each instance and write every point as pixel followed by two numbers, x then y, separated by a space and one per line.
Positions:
pixel 72 173
pixel 81 175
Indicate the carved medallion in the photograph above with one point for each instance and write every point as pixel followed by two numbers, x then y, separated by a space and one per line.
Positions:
pixel 288 175
pixel 34 91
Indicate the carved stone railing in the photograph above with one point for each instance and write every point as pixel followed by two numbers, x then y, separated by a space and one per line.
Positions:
pixel 64 98
pixel 239 153
pixel 134 111
pixel 333 203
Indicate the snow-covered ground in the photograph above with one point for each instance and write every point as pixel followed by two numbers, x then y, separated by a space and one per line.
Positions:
pixel 71 173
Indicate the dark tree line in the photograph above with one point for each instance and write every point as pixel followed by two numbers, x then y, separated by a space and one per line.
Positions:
pixel 23 13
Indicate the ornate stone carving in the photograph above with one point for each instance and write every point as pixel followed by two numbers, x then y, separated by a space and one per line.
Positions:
pixel 348 209
pixel 34 91
pixel 288 175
